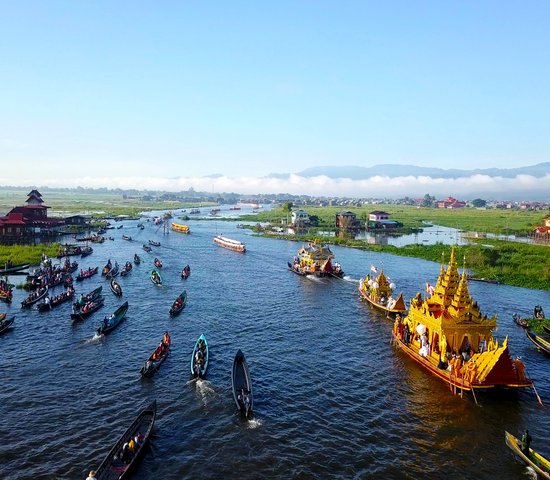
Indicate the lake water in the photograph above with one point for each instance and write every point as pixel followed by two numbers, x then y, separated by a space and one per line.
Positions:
pixel 333 398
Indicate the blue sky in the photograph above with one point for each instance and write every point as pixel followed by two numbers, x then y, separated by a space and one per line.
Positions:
pixel 151 90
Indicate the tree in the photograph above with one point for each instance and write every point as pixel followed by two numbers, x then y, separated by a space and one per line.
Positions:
pixel 287 208
pixel 479 203
pixel 428 201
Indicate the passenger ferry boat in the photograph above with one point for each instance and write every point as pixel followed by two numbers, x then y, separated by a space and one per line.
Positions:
pixel 447 334
pixel 316 259
pixel 230 243
pixel 378 292
pixel 180 228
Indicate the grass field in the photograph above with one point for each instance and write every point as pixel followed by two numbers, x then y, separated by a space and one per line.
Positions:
pixel 505 222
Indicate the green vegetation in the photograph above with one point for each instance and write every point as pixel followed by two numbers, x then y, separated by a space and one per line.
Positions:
pixel 21 254
pixel 508 222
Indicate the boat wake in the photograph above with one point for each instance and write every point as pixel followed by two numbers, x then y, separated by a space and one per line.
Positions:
pixel 96 338
pixel 253 423
pixel 349 279
pixel 531 473
pixel 315 279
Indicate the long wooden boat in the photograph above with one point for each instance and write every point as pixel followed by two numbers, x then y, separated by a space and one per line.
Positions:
pixel 178 304
pixel 379 293
pixel 110 322
pixel 229 243
pixel 297 269
pixel 157 263
pixel 185 272
pixel 126 269
pixel 156 278
pixel 126 237
pixel 540 342
pixel 154 243
pixel 242 385
pixel 535 460
pixel 147 248
pixel 86 251
pixel 113 272
pixel 88 297
pixel 6 296
pixel 80 313
pixel 448 336
pixel 35 297
pixel 116 288
pixel 199 358
pixel 5 324
pixel 177 227
pixel 86 273
pixel 316 259
pixel 546 328
pixel 107 267
pixel 152 364
pixel 9 270
pixel 118 464
pixel 52 302
pixel 521 322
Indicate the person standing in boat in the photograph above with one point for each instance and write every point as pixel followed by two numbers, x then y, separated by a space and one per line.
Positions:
pixel 526 443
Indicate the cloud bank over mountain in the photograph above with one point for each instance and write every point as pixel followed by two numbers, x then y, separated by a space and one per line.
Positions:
pixel 527 183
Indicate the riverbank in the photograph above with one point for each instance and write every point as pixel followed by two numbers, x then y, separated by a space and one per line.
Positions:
pixel 23 254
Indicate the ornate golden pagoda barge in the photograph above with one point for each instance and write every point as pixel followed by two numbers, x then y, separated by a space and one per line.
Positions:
pixel 447 334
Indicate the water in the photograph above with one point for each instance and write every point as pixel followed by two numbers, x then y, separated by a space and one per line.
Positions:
pixel 333 398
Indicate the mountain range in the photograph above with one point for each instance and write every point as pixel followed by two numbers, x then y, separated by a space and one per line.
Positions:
pixel 392 170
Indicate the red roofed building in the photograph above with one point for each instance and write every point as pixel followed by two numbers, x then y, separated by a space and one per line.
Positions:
pixel 24 223
pixel 450 202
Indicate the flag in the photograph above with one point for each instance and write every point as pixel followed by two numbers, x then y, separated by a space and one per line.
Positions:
pixel 373 269
pixel 429 288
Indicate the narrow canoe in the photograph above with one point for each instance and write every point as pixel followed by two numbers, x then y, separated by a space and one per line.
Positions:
pixel 540 464
pixel 199 358
pixel 540 342
pixel 56 300
pixel 156 278
pixel 154 243
pixel 5 324
pixel 178 304
pixel 242 385
pixel 80 313
pixel 157 263
pixel 14 269
pixel 110 322
pixel 84 299
pixel 147 248
pixel 86 273
pixel 152 364
pixel 116 288
pixel 35 297
pixel 186 271
pixel 114 467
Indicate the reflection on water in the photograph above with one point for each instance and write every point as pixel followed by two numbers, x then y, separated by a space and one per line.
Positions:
pixel 430 235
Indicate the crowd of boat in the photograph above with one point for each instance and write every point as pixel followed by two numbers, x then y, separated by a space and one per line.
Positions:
pixel 444 332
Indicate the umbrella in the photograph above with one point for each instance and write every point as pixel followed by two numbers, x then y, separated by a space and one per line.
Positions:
pixel 421 329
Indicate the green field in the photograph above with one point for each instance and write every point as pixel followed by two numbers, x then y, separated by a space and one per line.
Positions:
pixel 507 222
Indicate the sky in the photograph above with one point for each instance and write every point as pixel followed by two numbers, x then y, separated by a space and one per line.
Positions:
pixel 161 94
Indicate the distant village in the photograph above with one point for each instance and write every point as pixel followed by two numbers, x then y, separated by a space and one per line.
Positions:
pixel 30 223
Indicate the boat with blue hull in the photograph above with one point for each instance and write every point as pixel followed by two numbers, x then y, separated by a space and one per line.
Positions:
pixel 199 358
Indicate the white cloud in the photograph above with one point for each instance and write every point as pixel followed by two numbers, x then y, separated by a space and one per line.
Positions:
pixel 523 186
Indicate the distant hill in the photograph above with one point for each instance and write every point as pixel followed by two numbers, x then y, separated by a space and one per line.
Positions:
pixel 361 173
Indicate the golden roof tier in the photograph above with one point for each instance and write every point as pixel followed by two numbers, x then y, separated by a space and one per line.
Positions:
pixel 378 292
pixel 447 334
